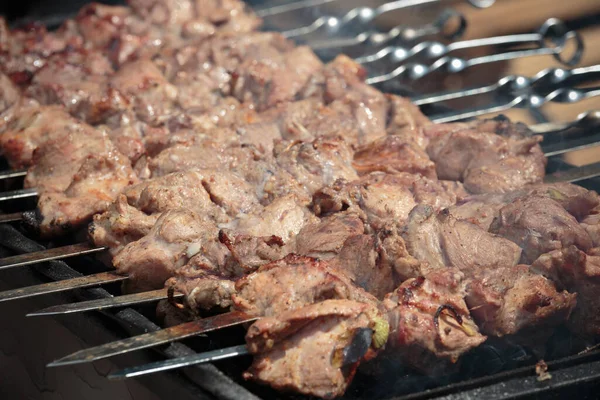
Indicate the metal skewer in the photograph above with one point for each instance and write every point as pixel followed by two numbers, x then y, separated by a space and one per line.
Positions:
pixel 357 17
pixel 414 71
pixel 553 30
pixel 18 194
pixel 186 330
pixel 49 254
pixel 102 304
pixel 443 24
pixel 61 286
pixel 11 217
pixel 13 174
pixel 193 359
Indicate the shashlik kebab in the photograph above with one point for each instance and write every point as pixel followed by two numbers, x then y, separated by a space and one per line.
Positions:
pixel 266 181
pixel 143 99
pixel 463 266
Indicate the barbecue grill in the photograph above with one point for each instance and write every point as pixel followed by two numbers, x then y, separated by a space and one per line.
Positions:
pixel 397 60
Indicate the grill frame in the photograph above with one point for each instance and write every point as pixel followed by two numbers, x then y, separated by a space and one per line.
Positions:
pixel 578 375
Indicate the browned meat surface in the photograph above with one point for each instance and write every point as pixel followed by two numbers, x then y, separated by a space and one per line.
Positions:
pixel 284 218
pixel 293 282
pixel 149 92
pixel 77 80
pixel 482 209
pixel 93 188
pixel 215 196
pixel 56 161
pixel 32 127
pixel 10 97
pixel 360 259
pixel 275 78
pixel 382 198
pixel 393 154
pixel 406 120
pixel 119 225
pixel 539 225
pixel 508 300
pixel 24 51
pixel 443 241
pixel 174 239
pixel 578 272
pixel 205 155
pixel 488 156
pixel 342 86
pixel 325 239
pixel 318 163
pixel 187 190
pixel 503 297
pixel 229 15
pixel 75 168
pixel 310 350
pixel 430 321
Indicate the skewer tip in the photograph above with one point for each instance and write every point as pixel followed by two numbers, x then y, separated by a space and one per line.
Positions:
pixel 64 363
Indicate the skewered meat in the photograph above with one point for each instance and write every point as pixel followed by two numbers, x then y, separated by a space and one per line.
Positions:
pixel 252 156
pixel 489 157
pixel 380 198
pixel 98 181
pixel 482 209
pixel 539 225
pixel 430 321
pixel 393 154
pixel 176 237
pixel 10 97
pixel 578 272
pixel 503 297
pixel 314 350
pixel 30 128
pixel 316 164
pixel 325 239
pixel 508 300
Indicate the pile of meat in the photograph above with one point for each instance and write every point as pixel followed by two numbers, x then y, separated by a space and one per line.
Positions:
pixel 237 168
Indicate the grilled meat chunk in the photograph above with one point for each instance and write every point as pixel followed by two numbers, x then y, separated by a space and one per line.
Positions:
pixel 294 281
pixel 176 237
pixel 509 300
pixel 482 209
pixel 578 272
pixel 92 189
pixel 393 154
pixel 119 225
pixel 503 297
pixel 383 198
pixel 24 51
pixel 77 79
pixel 430 321
pixel 539 225
pixel 443 241
pixel 229 15
pixel 326 238
pixel 315 350
pixel 489 156
pixel 275 78
pixel 10 97
pixel 147 90
pixel 284 218
pixel 75 168
pixel 318 163
pixel 33 127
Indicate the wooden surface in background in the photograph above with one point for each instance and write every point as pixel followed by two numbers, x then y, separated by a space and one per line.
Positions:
pixel 521 16
pixel 512 16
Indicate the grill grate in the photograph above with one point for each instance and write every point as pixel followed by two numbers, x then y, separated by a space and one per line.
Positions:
pixel 557 85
